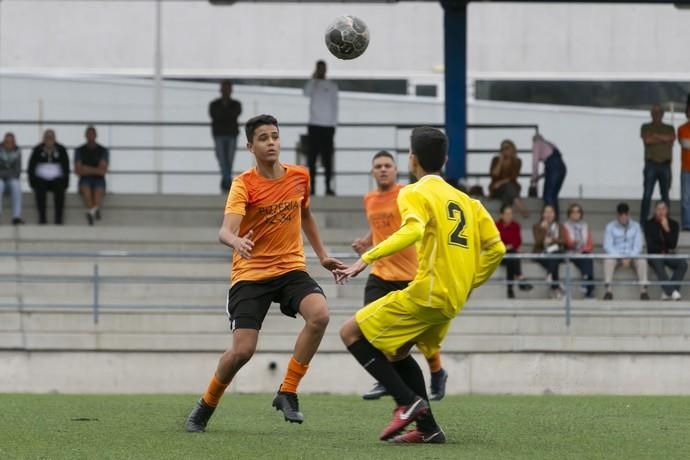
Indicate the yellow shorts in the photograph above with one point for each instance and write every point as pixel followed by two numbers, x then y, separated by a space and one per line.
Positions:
pixel 394 321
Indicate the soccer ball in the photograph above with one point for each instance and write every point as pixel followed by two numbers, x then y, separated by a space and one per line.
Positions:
pixel 347 37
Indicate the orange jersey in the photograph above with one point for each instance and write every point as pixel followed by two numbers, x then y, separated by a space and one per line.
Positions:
pixel 272 209
pixel 384 219
pixel 684 134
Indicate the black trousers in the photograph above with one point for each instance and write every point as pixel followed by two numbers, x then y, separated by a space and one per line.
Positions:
pixel 678 269
pixel 320 145
pixel 513 268
pixel 551 266
pixel 41 189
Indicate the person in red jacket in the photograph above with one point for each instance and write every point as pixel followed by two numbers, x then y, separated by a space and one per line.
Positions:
pixel 510 235
pixel 578 240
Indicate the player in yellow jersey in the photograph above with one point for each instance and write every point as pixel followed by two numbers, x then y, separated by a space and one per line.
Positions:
pixel 395 272
pixel 458 248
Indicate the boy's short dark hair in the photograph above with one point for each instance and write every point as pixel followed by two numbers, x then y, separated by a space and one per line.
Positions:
pixel 255 122
pixel 505 206
pixel 430 146
pixel 383 153
pixel 623 208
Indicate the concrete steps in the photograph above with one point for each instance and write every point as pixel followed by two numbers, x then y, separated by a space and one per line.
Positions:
pixel 629 327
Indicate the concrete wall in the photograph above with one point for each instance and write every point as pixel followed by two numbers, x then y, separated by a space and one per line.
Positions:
pixel 519 40
pixel 491 373
pixel 198 39
pixel 594 142
pixel 568 40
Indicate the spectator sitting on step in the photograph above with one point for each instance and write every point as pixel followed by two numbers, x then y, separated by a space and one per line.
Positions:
pixel 578 240
pixel 549 239
pixel 662 238
pixel 49 172
pixel 10 170
pixel 623 237
pixel 510 235
pixel 91 164
pixel 505 170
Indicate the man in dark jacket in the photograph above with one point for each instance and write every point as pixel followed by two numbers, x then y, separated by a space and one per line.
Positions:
pixel 224 113
pixel 49 172
pixel 662 238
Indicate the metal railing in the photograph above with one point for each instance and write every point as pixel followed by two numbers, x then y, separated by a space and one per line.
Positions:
pixel 398 147
pixel 97 280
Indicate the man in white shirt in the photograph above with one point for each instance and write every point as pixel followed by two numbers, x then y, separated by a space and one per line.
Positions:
pixel 323 118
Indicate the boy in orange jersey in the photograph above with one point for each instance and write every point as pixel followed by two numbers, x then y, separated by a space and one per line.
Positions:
pixel 395 272
pixel 266 210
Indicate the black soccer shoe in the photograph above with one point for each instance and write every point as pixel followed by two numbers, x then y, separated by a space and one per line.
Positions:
pixel 375 393
pixel 288 403
pixel 438 385
pixel 198 418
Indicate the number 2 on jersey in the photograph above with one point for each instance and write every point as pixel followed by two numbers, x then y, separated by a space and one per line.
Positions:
pixel 455 213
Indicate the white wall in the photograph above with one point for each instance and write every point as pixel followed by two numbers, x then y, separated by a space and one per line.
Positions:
pixel 513 40
pixel 601 147
pixel 571 40
pixel 199 39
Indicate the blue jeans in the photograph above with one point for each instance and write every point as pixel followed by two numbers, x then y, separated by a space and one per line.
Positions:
pixel 554 175
pixel 685 199
pixel 225 153
pixel 654 172
pixel 16 193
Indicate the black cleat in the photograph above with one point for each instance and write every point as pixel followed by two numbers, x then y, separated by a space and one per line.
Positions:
pixel 376 393
pixel 438 385
pixel 198 418
pixel 288 403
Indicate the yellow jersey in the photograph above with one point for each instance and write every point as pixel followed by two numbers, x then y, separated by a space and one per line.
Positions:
pixel 456 230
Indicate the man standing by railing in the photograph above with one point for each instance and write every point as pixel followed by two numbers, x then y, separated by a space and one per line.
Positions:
pixel 658 139
pixel 224 113
pixel 684 141
pixel 323 118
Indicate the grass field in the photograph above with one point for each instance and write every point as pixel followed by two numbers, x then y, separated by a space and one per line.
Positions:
pixel 343 427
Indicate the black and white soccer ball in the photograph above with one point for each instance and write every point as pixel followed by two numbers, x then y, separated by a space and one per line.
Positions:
pixel 347 37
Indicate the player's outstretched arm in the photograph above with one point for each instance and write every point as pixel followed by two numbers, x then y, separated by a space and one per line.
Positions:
pixel 228 235
pixel 311 230
pixel 410 232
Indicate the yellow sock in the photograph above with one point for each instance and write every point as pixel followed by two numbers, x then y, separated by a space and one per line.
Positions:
pixel 434 362
pixel 294 374
pixel 214 391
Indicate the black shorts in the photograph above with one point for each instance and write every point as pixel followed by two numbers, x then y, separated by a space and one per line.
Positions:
pixel 249 301
pixel 377 288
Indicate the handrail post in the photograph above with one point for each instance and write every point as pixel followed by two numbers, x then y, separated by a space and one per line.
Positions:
pixel 568 291
pixel 96 286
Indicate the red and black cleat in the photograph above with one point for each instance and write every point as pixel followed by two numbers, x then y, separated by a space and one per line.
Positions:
pixel 419 437
pixel 403 416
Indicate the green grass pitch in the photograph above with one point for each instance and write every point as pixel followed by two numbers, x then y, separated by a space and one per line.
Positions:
pixel 342 427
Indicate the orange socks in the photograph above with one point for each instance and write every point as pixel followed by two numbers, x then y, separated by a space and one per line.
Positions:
pixel 435 362
pixel 214 391
pixel 294 374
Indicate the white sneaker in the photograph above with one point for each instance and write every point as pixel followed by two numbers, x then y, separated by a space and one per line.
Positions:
pixel 665 296
pixel 676 295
